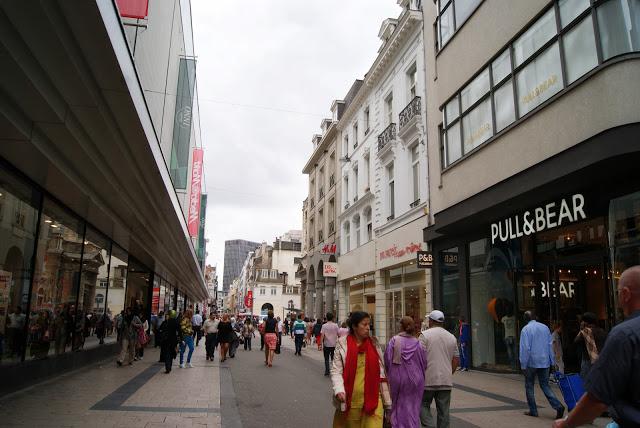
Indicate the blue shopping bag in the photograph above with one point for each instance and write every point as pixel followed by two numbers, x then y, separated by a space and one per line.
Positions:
pixel 571 388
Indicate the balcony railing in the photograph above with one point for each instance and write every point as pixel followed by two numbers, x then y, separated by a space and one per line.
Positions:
pixel 310 242
pixel 332 181
pixel 332 227
pixel 320 236
pixel 321 193
pixel 414 203
pixel 391 217
pixel 412 110
pixel 355 199
pixel 313 203
pixel 355 145
pixel 389 134
pixel 346 205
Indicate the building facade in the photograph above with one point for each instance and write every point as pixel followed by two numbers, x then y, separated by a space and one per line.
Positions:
pixel 533 185
pixel 92 219
pixel 235 253
pixel 384 182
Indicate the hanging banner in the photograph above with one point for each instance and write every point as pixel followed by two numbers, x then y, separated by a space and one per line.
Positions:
pixel 196 191
pixel 330 269
pixel 248 299
pixel 138 9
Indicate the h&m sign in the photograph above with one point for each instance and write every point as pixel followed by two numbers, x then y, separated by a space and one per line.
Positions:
pixel 568 210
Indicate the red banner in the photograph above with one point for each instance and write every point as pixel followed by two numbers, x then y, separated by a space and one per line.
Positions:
pixel 196 190
pixel 138 9
pixel 248 299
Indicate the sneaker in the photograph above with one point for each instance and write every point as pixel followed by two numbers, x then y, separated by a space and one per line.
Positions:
pixel 190 365
pixel 119 363
pixel 182 365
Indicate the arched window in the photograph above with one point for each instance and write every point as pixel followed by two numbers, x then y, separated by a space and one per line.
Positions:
pixel 369 225
pixel 356 230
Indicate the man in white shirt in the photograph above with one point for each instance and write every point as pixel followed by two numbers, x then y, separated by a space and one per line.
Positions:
pixel 211 338
pixel 196 323
pixel 280 329
pixel 329 338
pixel 442 361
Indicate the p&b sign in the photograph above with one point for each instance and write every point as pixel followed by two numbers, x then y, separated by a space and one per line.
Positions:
pixel 425 259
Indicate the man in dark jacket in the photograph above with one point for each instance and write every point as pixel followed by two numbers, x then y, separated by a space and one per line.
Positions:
pixel 171 335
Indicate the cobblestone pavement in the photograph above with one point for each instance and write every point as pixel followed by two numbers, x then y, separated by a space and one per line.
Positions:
pixel 103 395
pixel 481 399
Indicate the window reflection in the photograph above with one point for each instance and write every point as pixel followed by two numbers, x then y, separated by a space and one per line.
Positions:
pixel 18 224
pixel 56 323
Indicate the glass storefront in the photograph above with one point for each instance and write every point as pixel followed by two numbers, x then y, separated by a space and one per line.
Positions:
pixel 406 296
pixel 62 282
pixel 559 272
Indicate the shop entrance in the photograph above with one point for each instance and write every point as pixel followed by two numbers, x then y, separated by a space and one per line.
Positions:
pixel 569 277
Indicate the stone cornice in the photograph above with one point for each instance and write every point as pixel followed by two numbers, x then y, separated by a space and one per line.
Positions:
pixel 326 141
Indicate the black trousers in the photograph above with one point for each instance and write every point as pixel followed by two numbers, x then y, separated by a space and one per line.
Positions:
pixel 210 344
pixel 167 355
pixel 247 343
pixel 197 333
pixel 328 354
pixel 299 341
pixel 261 342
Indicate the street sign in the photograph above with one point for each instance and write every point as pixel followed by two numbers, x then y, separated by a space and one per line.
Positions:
pixel 425 259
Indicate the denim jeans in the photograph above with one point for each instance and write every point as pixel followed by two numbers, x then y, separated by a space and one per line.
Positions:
pixel 529 383
pixel 464 355
pixel 299 341
pixel 188 342
pixel 328 354
pixel 443 402
pixel 511 351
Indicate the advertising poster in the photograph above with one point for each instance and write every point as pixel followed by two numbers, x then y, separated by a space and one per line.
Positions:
pixel 5 289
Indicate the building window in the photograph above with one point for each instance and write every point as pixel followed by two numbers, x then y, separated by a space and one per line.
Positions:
pixel 289 290
pixel 346 191
pixel 355 184
pixel 367 171
pixel 366 121
pixel 367 219
pixel 535 65
pixel 356 232
pixel 274 291
pixel 265 272
pixel 391 192
pixel 388 109
pixel 347 239
pixel 412 79
pixel 451 15
pixel 274 274
pixel 345 146
pixel 415 172
pixel 355 135
pixel 263 291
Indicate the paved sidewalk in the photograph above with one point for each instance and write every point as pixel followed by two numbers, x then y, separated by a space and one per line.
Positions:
pixel 481 399
pixel 104 395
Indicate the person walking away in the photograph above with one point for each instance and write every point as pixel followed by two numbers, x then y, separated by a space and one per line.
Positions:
pixel 248 332
pixel 299 328
pixel 143 337
pixel 464 332
pixel 556 343
pixel 309 331
pixel 270 338
pixel 356 376
pixel 39 335
pixel 286 326
pixel 15 332
pixel 130 325
pixel 590 340
pixel 317 333
pixel 329 333
pixel 196 323
pixel 406 362
pixel 156 322
pixel 536 358
pixel 210 329
pixel 442 361
pixel 225 336
pixel 343 330
pixel 170 335
pixel 101 327
pixel 187 338
pixel 614 378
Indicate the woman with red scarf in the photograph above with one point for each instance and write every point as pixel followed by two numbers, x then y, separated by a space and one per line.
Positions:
pixel 356 375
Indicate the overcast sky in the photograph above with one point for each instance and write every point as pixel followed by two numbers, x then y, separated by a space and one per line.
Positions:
pixel 268 71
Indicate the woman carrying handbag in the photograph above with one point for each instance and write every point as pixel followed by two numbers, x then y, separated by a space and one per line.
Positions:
pixel 361 394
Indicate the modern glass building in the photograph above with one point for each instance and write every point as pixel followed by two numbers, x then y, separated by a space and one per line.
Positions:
pixel 235 253
pixel 91 220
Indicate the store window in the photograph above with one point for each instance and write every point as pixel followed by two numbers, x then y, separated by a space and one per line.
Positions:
pixel 504 105
pixel 492 298
pixel 539 80
pixel 163 296
pixel 450 283
pixel 56 284
pixel 137 292
pixel 624 240
pixel 92 297
pixel 570 9
pixel 406 296
pixel 535 37
pixel 18 225
pixel 118 268
pixel 580 50
pixel 477 126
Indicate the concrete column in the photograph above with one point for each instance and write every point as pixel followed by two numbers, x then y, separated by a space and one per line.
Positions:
pixel 308 304
pixel 329 294
pixel 381 308
pixel 319 304
pixel 343 301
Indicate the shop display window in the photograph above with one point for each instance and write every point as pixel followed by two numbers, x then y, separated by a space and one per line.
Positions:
pixel 408 297
pixel 118 269
pixel 493 308
pixel 18 224
pixel 57 324
pixel 155 298
pixel 93 294
pixel 137 292
pixel 450 283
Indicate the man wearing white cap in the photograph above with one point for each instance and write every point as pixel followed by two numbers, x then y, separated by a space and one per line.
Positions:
pixel 442 361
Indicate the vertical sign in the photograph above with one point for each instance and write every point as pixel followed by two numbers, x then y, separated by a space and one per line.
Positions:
pixel 182 123
pixel 194 196
pixel 138 9
pixel 202 250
